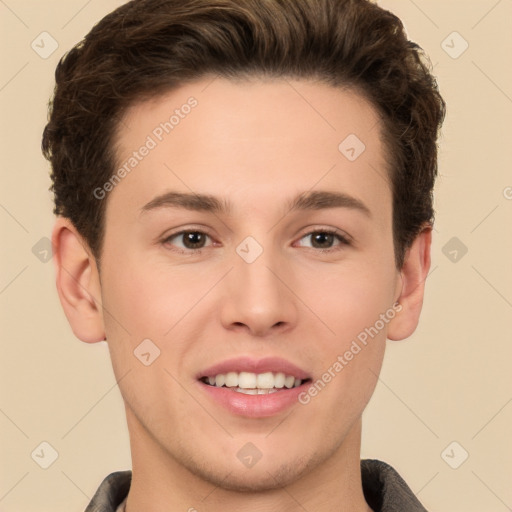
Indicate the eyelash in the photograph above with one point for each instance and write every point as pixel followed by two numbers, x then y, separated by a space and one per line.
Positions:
pixel 344 241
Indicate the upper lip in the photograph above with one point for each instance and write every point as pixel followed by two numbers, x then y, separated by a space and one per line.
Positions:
pixel 253 365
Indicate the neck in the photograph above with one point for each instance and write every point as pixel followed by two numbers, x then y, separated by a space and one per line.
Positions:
pixel 161 484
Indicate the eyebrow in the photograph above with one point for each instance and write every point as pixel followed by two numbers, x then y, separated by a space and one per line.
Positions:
pixel 316 200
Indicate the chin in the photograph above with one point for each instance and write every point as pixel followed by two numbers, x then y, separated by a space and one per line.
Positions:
pixel 264 475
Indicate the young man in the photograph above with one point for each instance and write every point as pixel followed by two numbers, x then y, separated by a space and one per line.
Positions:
pixel 244 201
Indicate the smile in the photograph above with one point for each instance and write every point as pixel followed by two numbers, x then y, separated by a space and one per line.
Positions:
pixel 253 383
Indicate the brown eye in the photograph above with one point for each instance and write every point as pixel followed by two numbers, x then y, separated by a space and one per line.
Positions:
pixel 193 240
pixel 324 240
pixel 190 240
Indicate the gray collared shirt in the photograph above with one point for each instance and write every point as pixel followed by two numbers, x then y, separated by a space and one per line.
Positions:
pixel 384 490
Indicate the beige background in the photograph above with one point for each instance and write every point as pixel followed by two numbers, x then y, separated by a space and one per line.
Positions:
pixel 450 381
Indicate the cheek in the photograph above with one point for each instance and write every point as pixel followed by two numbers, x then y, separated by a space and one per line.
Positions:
pixel 348 361
pixel 347 300
pixel 353 308
pixel 148 299
pixel 145 303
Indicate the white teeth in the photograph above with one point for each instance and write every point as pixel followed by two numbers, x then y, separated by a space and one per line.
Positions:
pixel 255 391
pixel 231 380
pixel 265 380
pixel 247 380
pixel 289 381
pixel 279 379
pixel 252 383
pixel 247 391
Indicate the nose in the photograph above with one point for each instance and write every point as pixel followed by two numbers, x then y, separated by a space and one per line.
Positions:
pixel 259 296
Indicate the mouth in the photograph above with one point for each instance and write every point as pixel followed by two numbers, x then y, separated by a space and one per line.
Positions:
pixel 252 387
pixel 254 383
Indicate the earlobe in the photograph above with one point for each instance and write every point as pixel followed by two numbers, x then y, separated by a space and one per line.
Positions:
pixel 77 282
pixel 413 275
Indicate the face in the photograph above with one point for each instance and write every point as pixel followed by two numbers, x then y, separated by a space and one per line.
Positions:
pixel 273 268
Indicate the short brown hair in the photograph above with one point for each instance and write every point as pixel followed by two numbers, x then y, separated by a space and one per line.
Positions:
pixel 148 47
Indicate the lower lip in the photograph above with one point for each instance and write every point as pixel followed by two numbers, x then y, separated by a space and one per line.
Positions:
pixel 254 406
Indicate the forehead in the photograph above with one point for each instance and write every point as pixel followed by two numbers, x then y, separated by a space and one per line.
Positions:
pixel 256 108
pixel 223 137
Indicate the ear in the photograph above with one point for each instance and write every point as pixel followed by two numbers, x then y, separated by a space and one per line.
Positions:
pixel 413 275
pixel 77 282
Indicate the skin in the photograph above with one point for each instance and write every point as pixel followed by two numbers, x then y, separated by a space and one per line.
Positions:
pixel 258 144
